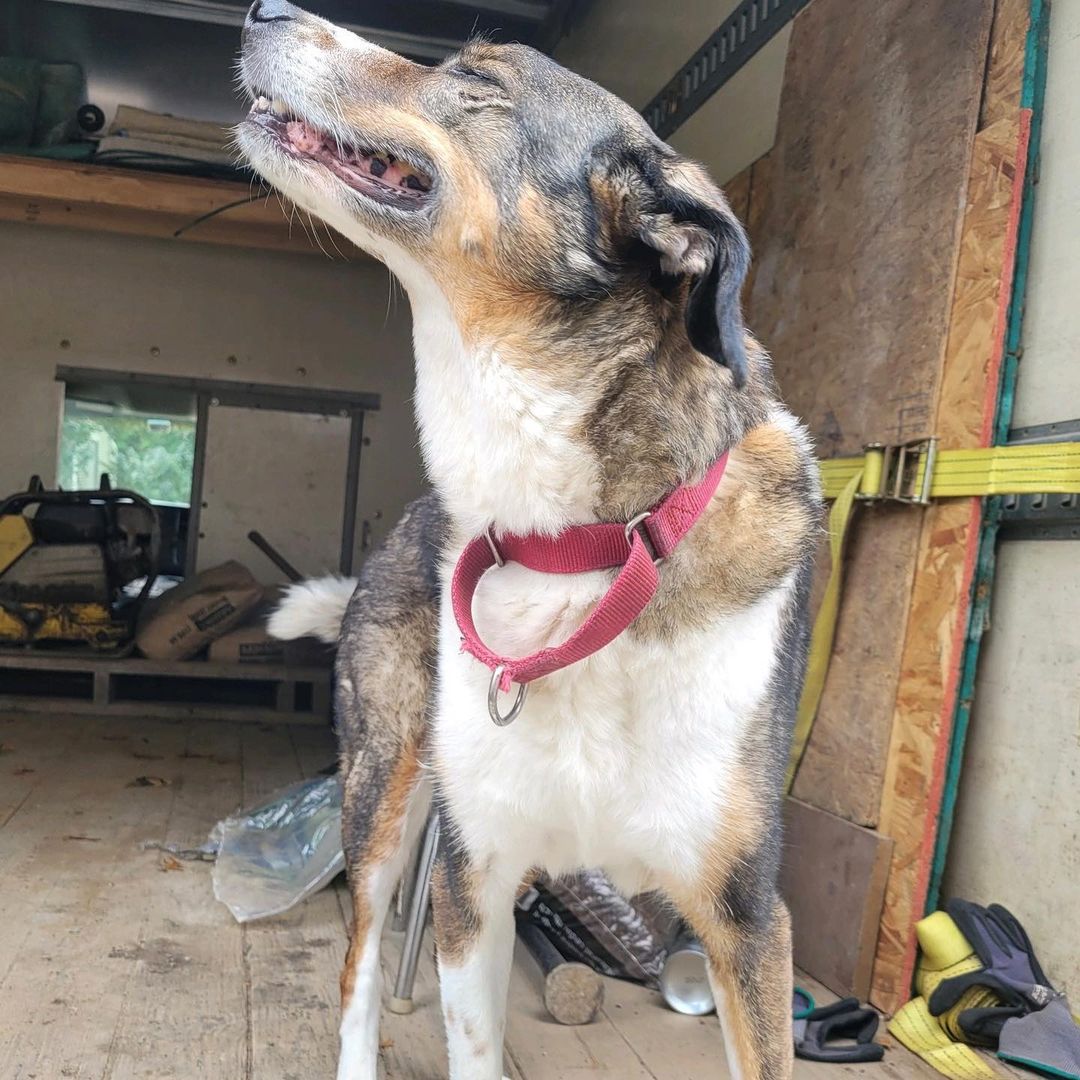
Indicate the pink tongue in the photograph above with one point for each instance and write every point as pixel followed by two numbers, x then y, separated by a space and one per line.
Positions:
pixel 309 140
pixel 394 175
pixel 306 139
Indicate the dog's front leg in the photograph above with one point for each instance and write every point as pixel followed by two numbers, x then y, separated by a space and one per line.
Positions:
pixel 749 953
pixel 386 804
pixel 473 901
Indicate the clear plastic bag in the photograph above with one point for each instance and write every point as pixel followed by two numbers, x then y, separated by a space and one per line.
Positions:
pixel 272 857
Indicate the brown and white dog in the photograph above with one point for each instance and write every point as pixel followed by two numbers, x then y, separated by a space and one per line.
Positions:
pixel 580 353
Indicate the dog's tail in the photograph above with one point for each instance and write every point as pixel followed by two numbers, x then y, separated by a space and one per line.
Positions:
pixel 314 608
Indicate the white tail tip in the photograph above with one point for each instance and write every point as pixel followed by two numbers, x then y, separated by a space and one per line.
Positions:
pixel 312 608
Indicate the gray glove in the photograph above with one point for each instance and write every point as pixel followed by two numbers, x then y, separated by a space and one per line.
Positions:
pixel 1010 969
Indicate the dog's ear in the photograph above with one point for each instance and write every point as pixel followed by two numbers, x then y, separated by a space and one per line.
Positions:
pixel 684 218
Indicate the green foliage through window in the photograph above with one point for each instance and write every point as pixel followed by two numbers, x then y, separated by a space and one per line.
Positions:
pixel 151 455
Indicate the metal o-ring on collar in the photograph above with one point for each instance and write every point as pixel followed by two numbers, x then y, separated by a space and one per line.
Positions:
pixel 493 699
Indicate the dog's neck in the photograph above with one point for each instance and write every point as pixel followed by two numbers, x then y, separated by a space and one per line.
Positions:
pixel 524 448
pixel 499 449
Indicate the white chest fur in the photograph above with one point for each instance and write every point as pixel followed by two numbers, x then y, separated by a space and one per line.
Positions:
pixel 622 760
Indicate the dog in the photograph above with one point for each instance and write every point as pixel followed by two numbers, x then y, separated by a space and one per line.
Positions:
pixel 580 357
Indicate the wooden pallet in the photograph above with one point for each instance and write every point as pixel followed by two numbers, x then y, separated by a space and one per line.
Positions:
pixel 163 689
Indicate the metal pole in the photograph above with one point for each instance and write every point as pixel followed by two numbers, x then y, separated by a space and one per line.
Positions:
pixel 191 550
pixel 352 482
pixel 275 556
pixel 402 1001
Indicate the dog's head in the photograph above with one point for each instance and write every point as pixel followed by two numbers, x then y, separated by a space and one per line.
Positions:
pixel 513 182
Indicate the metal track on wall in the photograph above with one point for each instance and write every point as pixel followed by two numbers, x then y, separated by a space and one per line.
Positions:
pixel 1041 517
pixel 750 26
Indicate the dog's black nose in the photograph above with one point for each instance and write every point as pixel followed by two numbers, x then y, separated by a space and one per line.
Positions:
pixel 263 11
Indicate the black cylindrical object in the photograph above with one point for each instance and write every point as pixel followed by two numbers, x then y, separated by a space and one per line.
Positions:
pixel 573 993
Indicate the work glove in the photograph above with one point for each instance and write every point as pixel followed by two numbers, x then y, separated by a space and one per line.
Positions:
pixel 1010 972
pixel 841 1032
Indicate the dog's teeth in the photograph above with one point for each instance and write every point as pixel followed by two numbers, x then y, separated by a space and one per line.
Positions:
pixel 262 103
pixel 279 106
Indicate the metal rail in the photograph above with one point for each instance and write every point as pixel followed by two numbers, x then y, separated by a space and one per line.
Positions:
pixel 742 34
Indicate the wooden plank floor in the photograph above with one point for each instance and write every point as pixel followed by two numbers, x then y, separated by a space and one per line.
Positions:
pixel 117 962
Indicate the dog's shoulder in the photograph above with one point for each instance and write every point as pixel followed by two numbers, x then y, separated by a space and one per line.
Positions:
pixel 759 533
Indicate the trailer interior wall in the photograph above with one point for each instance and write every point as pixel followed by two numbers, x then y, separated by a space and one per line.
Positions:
pixel 106 301
pixel 1016 839
pixel 634 47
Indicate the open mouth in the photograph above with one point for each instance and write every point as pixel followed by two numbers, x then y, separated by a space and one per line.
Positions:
pixel 379 175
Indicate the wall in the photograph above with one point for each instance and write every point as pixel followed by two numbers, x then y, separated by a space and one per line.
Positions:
pixel 185 309
pixel 1016 839
pixel 634 47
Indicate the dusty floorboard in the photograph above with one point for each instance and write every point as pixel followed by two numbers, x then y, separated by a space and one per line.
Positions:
pixel 117 962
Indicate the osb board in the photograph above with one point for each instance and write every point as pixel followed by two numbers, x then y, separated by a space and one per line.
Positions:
pixel 1005 71
pixel 833 880
pixel 933 649
pixel 854 224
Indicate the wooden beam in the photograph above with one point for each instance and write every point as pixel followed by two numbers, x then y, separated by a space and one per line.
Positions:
pixel 160 205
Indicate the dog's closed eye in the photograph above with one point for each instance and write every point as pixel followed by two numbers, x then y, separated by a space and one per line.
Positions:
pixel 475 74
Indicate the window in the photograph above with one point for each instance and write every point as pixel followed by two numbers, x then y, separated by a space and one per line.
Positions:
pixel 147 452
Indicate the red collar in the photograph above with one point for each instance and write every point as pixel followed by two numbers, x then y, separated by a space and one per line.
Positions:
pixel 574 551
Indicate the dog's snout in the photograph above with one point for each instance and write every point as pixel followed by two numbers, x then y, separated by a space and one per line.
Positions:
pixel 264 11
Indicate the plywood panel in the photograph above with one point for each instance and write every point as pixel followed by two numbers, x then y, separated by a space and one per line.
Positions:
pixel 933 647
pixel 291 962
pixel 855 238
pixel 833 880
pixel 200 950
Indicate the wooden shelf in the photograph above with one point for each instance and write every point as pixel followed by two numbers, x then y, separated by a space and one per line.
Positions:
pixel 101 198
pixel 95 684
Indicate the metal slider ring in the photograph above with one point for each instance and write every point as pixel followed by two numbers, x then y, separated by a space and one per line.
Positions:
pixel 629 530
pixel 499 560
pixel 493 699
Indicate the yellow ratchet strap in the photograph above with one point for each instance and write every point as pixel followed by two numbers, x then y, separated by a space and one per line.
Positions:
pixel 914 472
pixel 944 953
pixel 1034 469
pixel 821 640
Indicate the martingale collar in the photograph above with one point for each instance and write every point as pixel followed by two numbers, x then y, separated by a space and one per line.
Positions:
pixel 637 547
